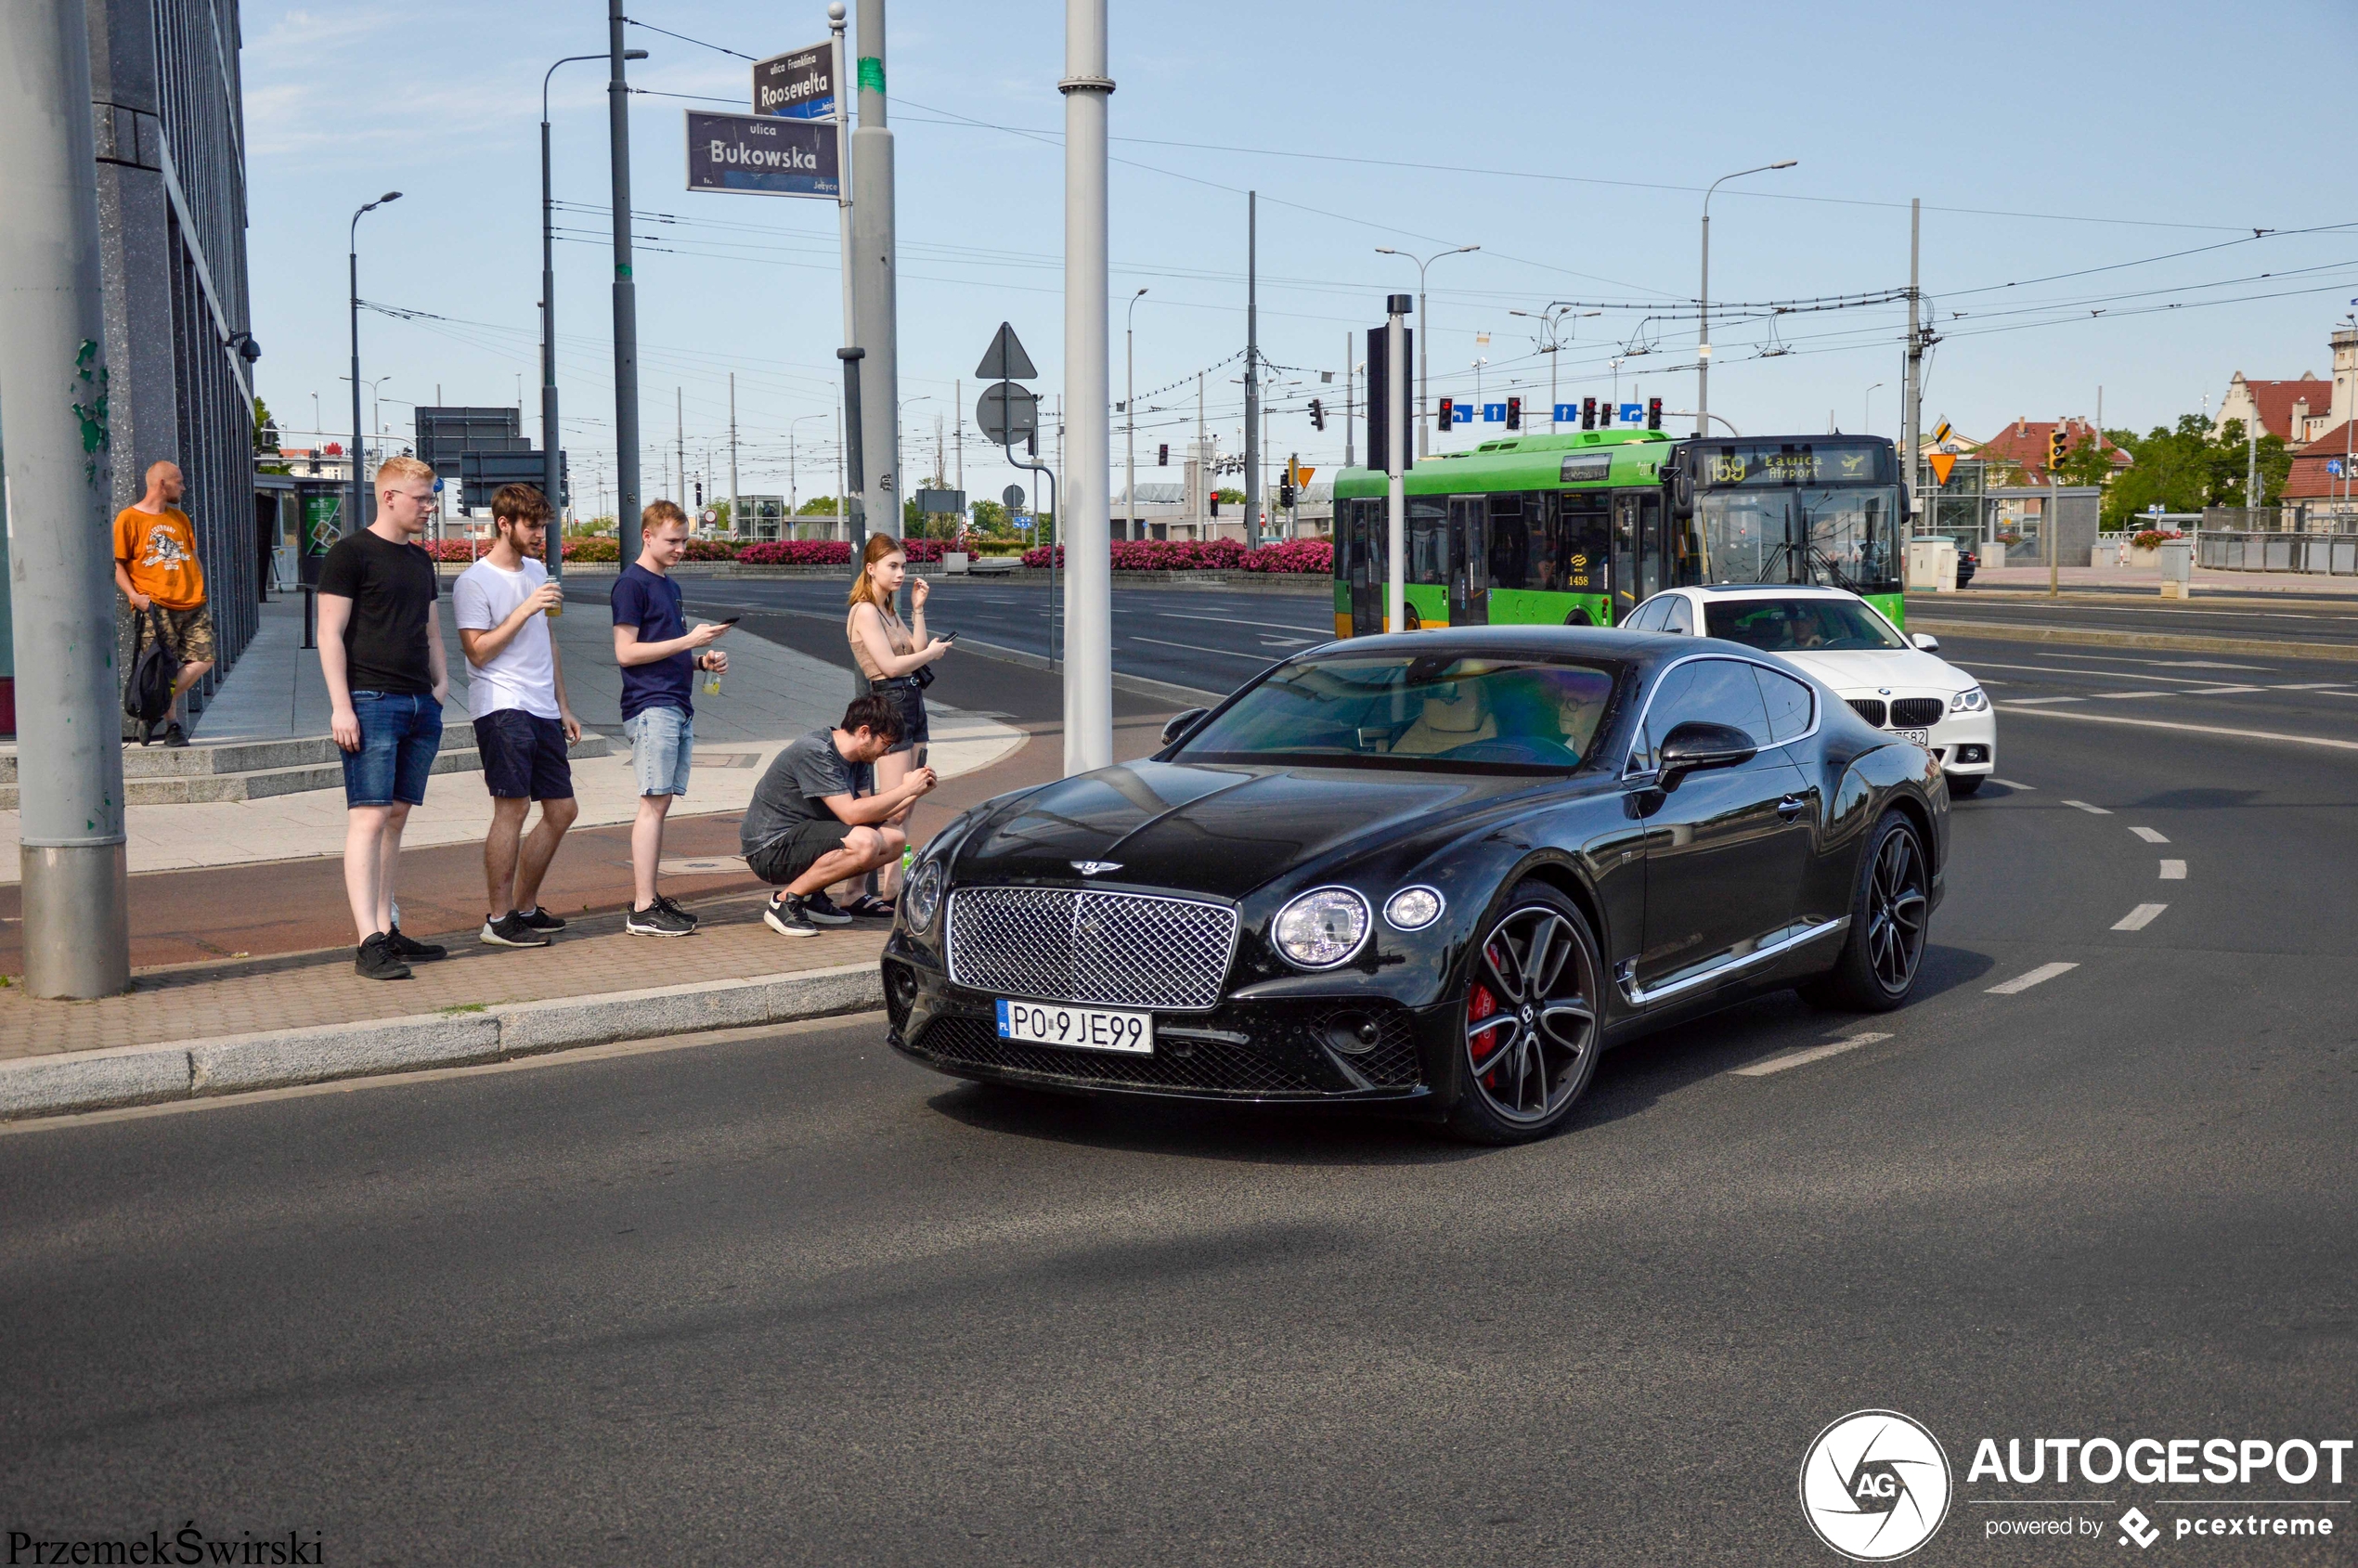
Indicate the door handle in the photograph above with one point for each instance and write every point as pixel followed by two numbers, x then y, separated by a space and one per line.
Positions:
pixel 1791 807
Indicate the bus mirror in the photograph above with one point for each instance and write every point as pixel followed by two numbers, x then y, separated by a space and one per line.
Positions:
pixel 1682 494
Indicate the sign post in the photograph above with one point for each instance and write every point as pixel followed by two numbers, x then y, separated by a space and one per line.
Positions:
pixel 1388 348
pixel 1005 411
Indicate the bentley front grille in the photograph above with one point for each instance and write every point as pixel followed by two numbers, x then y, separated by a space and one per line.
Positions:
pixel 1117 950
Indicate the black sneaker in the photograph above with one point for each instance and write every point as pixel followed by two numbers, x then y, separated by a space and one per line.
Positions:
pixel 822 909
pixel 378 960
pixel 414 951
pixel 789 916
pixel 147 733
pixel 663 902
pixel 657 921
pixel 175 737
pixel 510 930
pixel 540 920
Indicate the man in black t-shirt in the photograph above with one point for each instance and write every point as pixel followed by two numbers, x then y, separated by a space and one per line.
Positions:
pixel 809 825
pixel 381 650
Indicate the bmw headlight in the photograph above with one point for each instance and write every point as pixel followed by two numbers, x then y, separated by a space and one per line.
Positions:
pixel 1413 909
pixel 1970 700
pixel 1321 928
pixel 924 896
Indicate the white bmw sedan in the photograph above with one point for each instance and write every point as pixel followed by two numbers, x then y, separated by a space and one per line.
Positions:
pixel 1893 682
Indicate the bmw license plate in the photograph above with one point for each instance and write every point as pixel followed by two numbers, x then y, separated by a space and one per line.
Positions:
pixel 1922 737
pixel 1082 1028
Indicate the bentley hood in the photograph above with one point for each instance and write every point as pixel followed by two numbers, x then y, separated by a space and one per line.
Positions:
pixel 1220 830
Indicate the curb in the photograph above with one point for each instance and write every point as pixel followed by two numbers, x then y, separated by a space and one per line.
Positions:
pixel 2004 632
pixel 136 1075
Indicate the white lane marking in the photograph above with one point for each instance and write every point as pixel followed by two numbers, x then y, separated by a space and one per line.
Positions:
pixel 2122 696
pixel 2139 918
pixel 1234 620
pixel 2191 729
pixel 2164 664
pixel 2092 810
pixel 1198 648
pixel 2040 976
pixel 2025 702
pixel 2218 691
pixel 2312 686
pixel 2149 836
pixel 2010 783
pixel 2107 674
pixel 1803 1057
pixel 1286 642
pixel 2173 871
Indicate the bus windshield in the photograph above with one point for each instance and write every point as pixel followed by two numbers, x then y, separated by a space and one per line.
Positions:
pixel 1844 536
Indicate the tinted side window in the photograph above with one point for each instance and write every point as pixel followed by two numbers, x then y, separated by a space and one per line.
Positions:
pixel 1789 703
pixel 1646 617
pixel 1679 616
pixel 1712 690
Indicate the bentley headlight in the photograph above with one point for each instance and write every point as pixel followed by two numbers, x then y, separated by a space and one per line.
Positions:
pixel 1321 928
pixel 924 896
pixel 1413 909
pixel 1970 700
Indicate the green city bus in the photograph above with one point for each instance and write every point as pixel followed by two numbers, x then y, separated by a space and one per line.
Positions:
pixel 1580 528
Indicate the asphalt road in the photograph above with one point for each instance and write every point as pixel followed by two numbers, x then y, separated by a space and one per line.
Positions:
pixel 2270 617
pixel 787 1298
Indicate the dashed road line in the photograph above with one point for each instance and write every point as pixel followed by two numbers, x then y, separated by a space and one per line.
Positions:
pixel 1804 1057
pixel 2092 810
pixel 2010 783
pixel 2218 691
pixel 2040 976
pixel 2025 702
pixel 2173 871
pixel 1979 666
pixel 1199 648
pixel 2117 696
pixel 2312 686
pixel 2139 918
pixel 2190 728
pixel 2149 836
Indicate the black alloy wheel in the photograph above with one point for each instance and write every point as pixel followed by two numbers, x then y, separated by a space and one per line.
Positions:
pixel 1531 1011
pixel 1890 918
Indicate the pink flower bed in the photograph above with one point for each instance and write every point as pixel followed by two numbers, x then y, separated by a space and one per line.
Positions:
pixel 1302 556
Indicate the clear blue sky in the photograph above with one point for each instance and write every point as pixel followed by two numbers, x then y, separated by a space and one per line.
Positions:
pixel 1570 142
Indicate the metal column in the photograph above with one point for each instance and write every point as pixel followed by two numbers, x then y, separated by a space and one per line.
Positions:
pixel 1082 522
pixel 626 298
pixel 53 452
pixel 874 294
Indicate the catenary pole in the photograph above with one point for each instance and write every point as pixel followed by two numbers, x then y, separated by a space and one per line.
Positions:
pixel 1395 447
pixel 736 516
pixel 1911 405
pixel 53 430
pixel 679 447
pixel 1130 408
pixel 552 471
pixel 1252 369
pixel 876 292
pixel 1349 349
pixel 626 293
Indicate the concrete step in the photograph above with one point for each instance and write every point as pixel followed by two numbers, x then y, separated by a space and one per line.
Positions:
pixel 258 770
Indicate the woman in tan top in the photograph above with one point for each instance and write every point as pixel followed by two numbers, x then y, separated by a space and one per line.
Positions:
pixel 889 653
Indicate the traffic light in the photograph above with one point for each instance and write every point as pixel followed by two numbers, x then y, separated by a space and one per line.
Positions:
pixel 1285 494
pixel 1318 414
pixel 1448 412
pixel 1163 456
pixel 1606 412
pixel 1514 413
pixel 1587 414
pixel 2057 442
pixel 1654 413
pixel 1216 503
pixel 699 493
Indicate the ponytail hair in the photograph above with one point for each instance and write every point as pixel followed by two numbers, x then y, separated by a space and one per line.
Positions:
pixel 863 587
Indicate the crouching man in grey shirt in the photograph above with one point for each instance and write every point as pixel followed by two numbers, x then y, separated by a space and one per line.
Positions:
pixel 810 826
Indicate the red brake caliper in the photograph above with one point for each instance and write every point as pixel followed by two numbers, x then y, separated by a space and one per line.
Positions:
pixel 1481 1004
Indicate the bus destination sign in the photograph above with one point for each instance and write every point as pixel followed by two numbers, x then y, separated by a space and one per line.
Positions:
pixel 1830 461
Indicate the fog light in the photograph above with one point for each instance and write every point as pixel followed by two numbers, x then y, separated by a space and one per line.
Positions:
pixel 1413 909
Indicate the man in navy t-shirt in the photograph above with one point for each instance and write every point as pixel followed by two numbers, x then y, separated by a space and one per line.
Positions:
pixel 660 658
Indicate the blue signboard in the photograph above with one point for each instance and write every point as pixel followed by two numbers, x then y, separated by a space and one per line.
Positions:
pixel 796 86
pixel 1567 412
pixel 2333 466
pixel 1632 412
pixel 1494 414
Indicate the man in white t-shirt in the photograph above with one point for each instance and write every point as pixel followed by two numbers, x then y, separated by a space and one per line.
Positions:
pixel 516 692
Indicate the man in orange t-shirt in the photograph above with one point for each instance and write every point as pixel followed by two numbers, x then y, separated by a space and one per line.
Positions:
pixel 156 565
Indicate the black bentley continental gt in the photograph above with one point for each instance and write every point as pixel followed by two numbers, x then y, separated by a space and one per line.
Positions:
pixel 1441 871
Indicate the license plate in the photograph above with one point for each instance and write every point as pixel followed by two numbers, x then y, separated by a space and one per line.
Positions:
pixel 1922 737
pixel 1082 1028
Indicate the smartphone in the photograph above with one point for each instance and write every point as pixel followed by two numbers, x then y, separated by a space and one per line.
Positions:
pixel 946 636
pixel 731 621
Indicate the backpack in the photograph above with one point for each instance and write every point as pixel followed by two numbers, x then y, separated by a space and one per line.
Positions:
pixel 154 670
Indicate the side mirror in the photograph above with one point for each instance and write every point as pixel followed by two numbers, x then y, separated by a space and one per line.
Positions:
pixel 1926 641
pixel 1176 730
pixel 1697 746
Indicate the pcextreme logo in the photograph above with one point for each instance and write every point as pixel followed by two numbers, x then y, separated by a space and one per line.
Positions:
pixel 1874 1485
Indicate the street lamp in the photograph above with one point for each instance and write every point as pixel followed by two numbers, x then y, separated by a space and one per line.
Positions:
pixel 1702 350
pixel 549 438
pixel 360 456
pixel 1130 406
pixel 1549 319
pixel 1425 329
pixel 794 504
pixel 1867 419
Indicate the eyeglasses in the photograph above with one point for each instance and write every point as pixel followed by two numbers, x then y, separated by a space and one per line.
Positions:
pixel 424 498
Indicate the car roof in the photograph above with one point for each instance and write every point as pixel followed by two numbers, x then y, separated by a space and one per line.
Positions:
pixel 1603 644
pixel 1773 590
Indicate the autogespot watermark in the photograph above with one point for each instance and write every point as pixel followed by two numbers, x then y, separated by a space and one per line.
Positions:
pixel 28 1549
pixel 1876 1486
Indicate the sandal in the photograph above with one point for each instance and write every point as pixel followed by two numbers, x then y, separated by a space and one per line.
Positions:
pixel 867 906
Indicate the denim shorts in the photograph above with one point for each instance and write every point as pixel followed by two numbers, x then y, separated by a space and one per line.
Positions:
pixel 400 732
pixel 662 742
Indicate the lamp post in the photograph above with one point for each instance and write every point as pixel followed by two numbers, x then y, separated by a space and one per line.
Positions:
pixel 549 440
pixel 1130 408
pixel 1867 418
pixel 1549 319
pixel 1424 338
pixel 359 453
pixel 1703 300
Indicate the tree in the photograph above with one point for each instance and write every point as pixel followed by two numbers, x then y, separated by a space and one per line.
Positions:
pixel 2185 468
pixel 817 506
pixel 989 519
pixel 2086 463
pixel 720 505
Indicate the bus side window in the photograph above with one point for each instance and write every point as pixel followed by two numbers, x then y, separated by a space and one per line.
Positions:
pixel 1510 543
pixel 1428 541
pixel 1580 542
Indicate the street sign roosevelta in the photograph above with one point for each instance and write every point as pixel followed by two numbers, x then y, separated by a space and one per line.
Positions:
pixel 797 85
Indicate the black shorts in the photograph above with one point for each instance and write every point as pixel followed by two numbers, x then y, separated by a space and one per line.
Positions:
pixel 789 855
pixel 524 756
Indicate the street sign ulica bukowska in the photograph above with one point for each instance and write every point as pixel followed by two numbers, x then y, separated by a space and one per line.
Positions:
pixel 762 153
pixel 795 87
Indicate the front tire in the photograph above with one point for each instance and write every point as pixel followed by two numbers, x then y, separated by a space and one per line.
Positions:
pixel 1532 1015
pixel 1890 908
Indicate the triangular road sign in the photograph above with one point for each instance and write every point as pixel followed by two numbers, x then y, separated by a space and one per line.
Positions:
pixel 1005 360
pixel 1941 463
